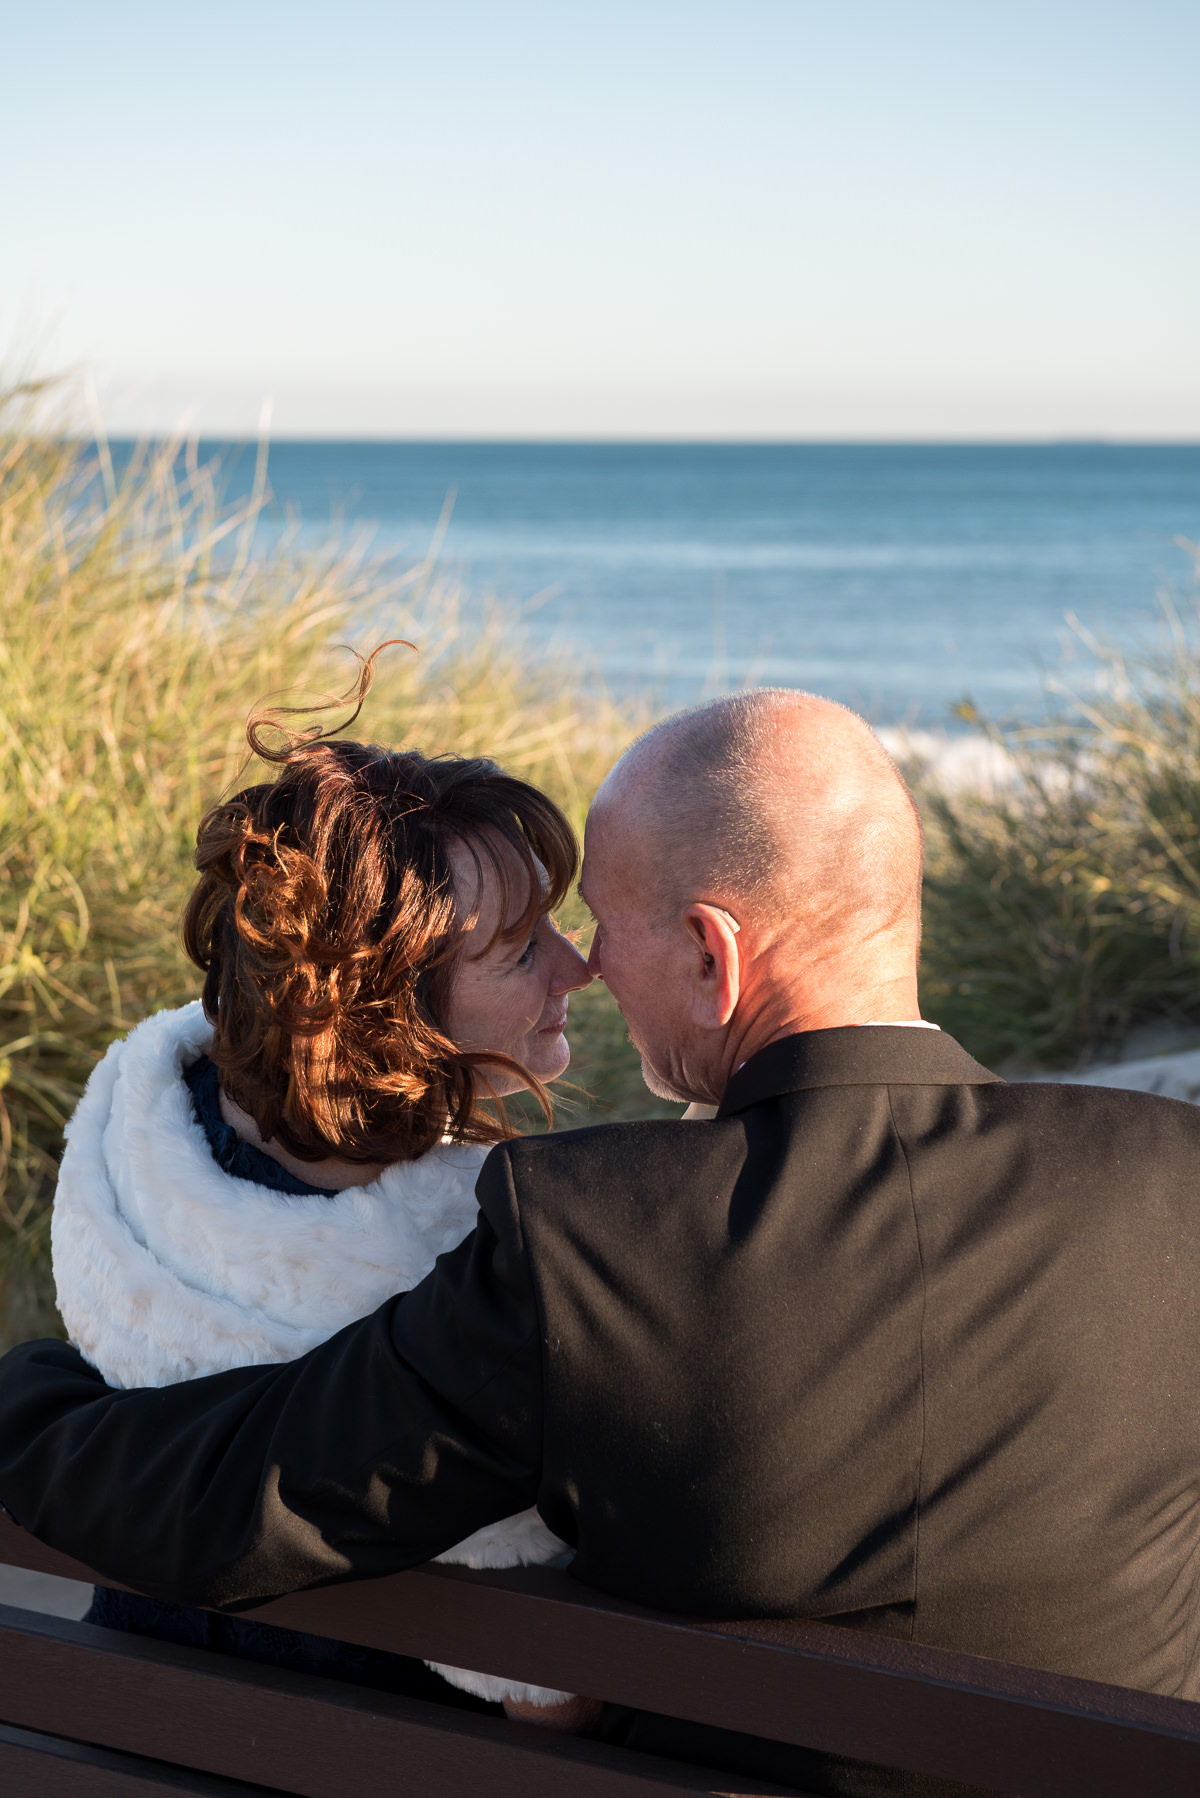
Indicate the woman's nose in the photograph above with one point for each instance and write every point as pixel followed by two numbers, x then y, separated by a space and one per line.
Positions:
pixel 571 970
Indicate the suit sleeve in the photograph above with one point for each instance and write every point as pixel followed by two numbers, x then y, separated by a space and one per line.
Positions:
pixel 400 1436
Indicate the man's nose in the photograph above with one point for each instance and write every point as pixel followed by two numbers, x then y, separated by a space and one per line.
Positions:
pixel 571 971
pixel 595 971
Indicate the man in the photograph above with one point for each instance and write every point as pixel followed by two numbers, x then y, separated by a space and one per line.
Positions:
pixel 886 1341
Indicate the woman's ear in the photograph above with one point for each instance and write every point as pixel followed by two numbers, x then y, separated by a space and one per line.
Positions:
pixel 716 969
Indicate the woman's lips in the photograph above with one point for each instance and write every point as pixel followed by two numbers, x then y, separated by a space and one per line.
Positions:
pixel 556 1028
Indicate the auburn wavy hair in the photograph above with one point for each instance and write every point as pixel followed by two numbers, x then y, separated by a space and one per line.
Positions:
pixel 326 923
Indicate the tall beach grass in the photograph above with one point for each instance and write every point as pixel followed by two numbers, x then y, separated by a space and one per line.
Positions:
pixel 140 625
pixel 1062 905
pixel 142 619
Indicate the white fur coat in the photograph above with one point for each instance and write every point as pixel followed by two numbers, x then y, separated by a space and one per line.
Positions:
pixel 167 1267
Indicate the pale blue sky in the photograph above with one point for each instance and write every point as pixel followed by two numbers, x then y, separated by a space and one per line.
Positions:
pixel 805 220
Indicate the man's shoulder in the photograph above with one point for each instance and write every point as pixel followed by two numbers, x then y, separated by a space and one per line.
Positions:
pixel 656 1159
pixel 1118 1106
pixel 592 1181
pixel 634 1140
pixel 688 1140
pixel 645 1155
pixel 1028 1137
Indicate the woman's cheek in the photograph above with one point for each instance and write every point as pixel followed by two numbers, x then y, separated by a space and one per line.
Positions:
pixel 526 1010
pixel 537 985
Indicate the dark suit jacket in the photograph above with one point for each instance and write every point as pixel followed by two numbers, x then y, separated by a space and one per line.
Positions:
pixel 888 1340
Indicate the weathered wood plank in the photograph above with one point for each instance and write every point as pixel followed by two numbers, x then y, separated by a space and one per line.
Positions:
pixel 1008 1728
pixel 304 1735
pixel 41 1766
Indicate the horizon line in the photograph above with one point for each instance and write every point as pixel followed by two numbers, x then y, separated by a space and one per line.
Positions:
pixel 1064 440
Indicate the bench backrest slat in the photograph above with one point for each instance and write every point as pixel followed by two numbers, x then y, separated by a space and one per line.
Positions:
pixel 42 1766
pixel 296 1732
pixel 930 1710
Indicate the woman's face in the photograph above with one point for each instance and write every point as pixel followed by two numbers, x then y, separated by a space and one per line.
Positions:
pixel 513 996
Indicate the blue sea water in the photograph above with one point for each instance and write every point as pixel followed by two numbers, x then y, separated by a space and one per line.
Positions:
pixel 898 578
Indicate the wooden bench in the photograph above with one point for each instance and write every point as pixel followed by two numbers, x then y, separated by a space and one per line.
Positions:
pixel 85 1711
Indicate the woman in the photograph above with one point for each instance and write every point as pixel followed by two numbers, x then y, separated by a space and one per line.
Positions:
pixel 248 1174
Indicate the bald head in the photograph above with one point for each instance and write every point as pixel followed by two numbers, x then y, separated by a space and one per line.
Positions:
pixel 776 804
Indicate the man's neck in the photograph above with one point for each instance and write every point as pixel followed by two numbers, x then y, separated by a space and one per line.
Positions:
pixel 886 1001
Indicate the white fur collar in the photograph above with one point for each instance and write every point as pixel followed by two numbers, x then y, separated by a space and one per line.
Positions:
pixel 167 1267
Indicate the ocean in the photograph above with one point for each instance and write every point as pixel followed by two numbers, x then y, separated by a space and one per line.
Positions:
pixel 902 579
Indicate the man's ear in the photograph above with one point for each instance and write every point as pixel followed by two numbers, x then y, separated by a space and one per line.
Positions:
pixel 717 980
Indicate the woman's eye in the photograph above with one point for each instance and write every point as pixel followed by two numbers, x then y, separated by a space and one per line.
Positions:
pixel 524 959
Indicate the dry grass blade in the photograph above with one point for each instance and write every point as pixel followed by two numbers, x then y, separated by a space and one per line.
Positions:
pixel 142 621
pixel 1064 914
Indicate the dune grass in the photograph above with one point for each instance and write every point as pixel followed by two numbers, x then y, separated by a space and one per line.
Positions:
pixel 140 625
pixel 1062 912
pixel 142 619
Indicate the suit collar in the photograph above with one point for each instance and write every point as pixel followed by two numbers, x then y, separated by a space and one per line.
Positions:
pixel 857 1055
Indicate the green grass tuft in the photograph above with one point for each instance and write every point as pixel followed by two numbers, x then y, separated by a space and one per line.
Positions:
pixel 1063 914
pixel 141 624
pixel 140 627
